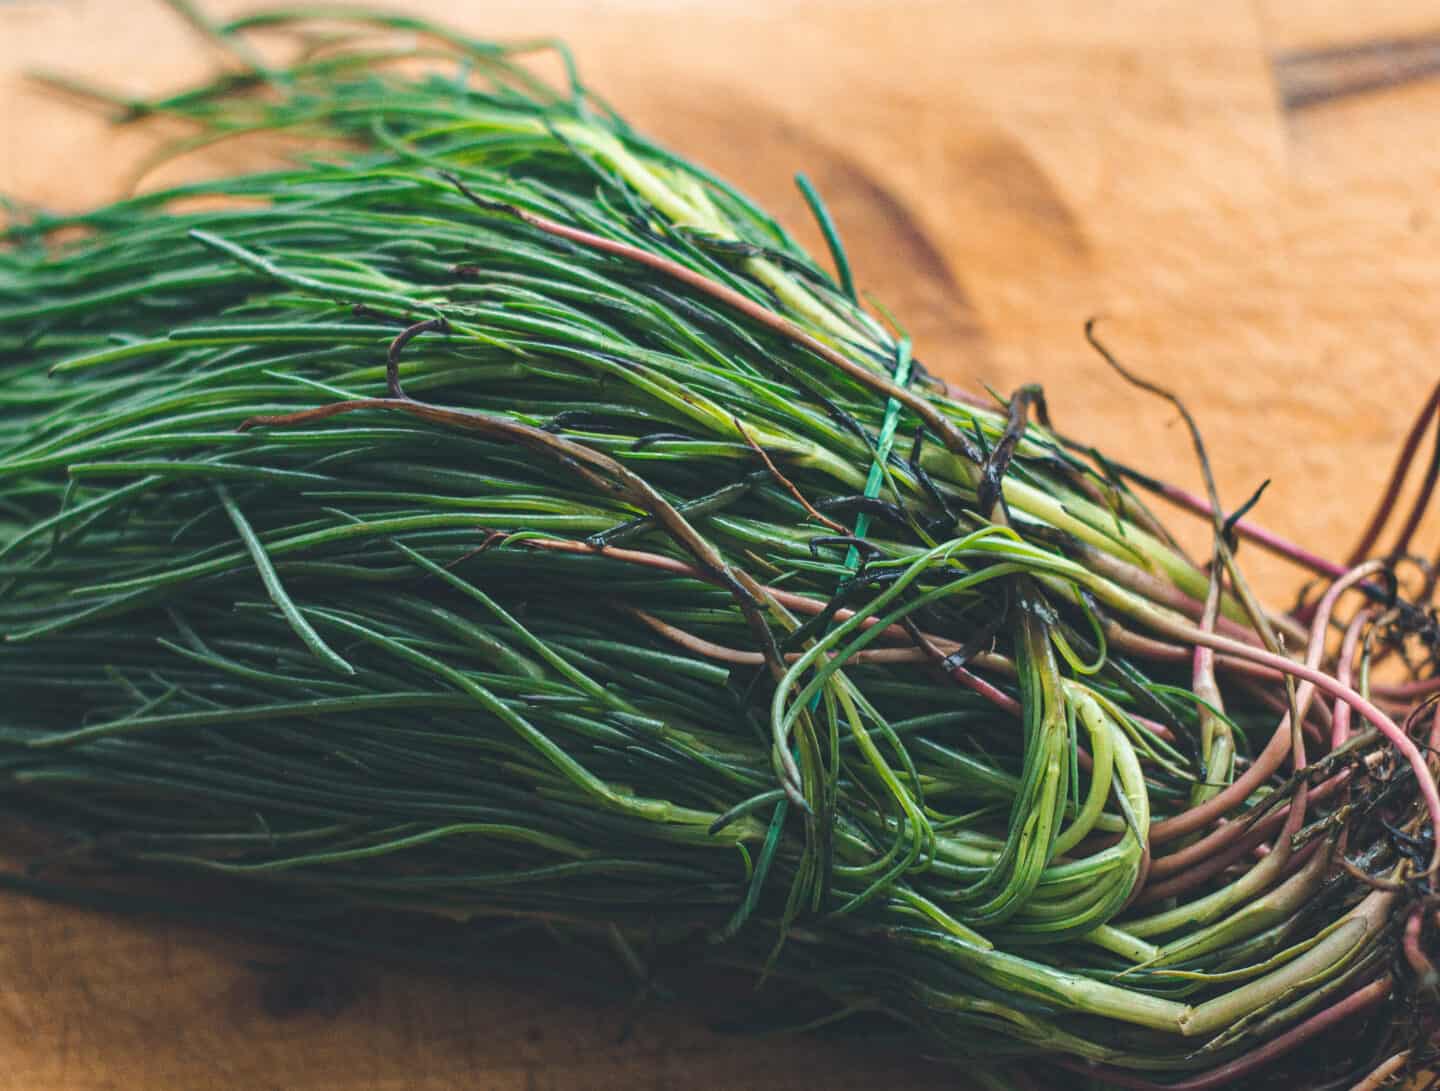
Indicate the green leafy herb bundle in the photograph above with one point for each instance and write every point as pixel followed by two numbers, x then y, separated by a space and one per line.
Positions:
pixel 502 517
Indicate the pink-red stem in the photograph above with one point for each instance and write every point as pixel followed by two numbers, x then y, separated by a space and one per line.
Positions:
pixel 1233 1073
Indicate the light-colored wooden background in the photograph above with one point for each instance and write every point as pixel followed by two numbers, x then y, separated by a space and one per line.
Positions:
pixel 1247 189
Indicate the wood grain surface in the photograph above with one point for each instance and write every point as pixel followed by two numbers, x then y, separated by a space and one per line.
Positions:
pixel 1245 189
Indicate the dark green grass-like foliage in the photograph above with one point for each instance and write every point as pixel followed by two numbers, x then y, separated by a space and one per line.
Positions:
pixel 656 592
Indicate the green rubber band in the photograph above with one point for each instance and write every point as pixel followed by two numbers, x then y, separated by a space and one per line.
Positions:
pixel 882 449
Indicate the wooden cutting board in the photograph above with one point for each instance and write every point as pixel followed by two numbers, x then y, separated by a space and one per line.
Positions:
pixel 1246 192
